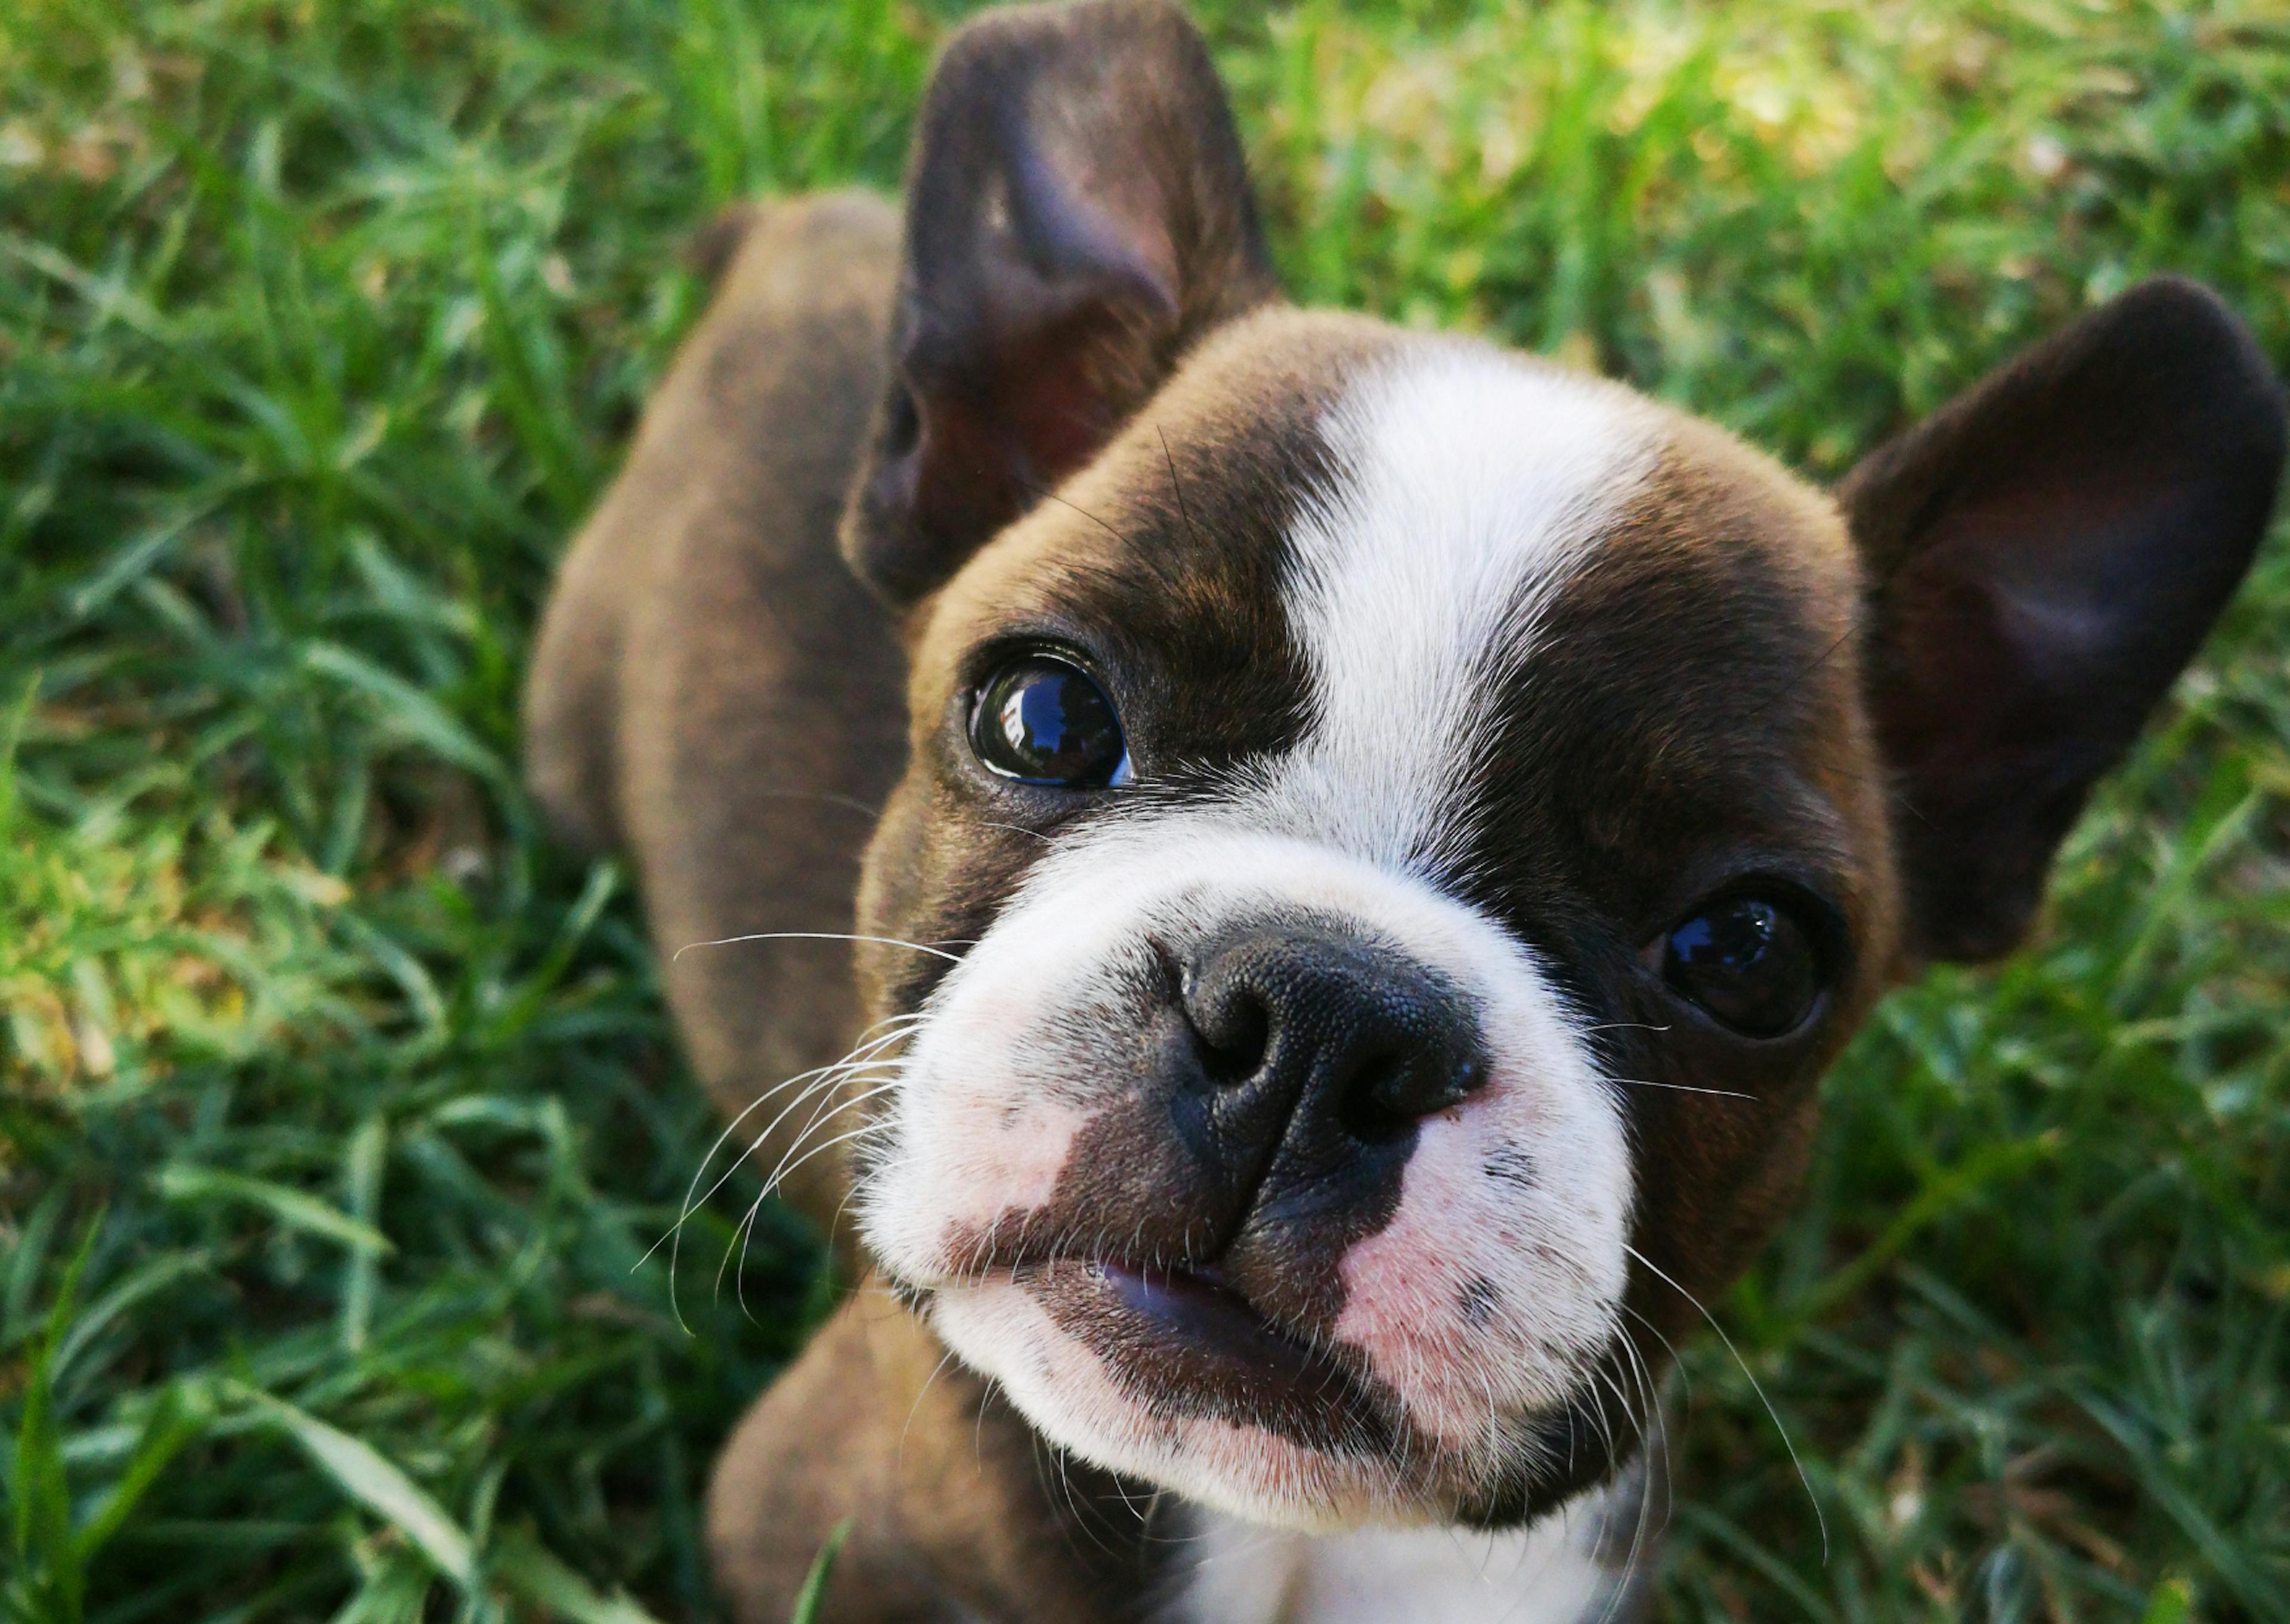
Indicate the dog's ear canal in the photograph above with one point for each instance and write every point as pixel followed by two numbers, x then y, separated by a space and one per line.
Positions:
pixel 2045 554
pixel 1077 212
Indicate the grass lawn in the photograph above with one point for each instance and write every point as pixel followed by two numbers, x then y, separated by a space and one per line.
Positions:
pixel 337 1110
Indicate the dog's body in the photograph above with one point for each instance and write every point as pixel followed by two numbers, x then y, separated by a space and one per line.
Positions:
pixel 1380 837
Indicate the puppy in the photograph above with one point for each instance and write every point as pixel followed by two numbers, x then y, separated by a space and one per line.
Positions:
pixel 1380 839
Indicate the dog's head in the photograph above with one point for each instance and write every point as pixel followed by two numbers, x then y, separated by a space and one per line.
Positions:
pixel 1401 827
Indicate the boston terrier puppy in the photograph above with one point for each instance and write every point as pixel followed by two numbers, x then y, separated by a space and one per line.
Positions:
pixel 1379 837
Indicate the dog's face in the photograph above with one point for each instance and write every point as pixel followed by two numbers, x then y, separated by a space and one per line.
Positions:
pixel 1420 838
pixel 1400 828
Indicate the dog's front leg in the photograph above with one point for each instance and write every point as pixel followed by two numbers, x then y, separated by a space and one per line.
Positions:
pixel 958 1511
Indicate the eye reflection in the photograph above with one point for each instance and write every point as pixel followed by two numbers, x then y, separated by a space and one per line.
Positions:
pixel 1749 963
pixel 1041 720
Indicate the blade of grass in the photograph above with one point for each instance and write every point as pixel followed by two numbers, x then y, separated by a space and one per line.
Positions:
pixel 812 1596
pixel 363 1473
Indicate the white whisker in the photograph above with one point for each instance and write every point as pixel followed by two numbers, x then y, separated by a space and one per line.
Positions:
pixel 857 1060
pixel 886 941
pixel 1684 1088
pixel 1754 1386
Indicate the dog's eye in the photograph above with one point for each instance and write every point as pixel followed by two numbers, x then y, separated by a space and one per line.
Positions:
pixel 1043 721
pixel 1749 962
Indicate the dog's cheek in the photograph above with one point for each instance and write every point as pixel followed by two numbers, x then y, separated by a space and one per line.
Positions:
pixel 1496 1282
pixel 1013 1095
pixel 990 1166
pixel 977 1152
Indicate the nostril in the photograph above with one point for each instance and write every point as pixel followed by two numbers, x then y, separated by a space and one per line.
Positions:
pixel 1231 1020
pixel 1290 1032
pixel 1368 1100
pixel 1390 1089
pixel 1234 1026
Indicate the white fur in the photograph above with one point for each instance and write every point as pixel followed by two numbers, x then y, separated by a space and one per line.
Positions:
pixel 1549 1572
pixel 1475 483
pixel 1473 487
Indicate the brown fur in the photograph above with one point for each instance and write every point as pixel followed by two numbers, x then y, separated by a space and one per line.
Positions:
pixel 953 1502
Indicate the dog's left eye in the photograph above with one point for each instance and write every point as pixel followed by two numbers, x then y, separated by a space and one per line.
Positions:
pixel 1751 963
pixel 1046 721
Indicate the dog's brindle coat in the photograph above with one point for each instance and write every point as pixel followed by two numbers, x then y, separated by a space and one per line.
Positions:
pixel 1305 1129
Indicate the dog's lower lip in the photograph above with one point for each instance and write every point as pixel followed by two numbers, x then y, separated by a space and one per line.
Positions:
pixel 1197 1307
pixel 1183 1342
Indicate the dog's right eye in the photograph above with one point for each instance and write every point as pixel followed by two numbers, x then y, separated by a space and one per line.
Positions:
pixel 1046 721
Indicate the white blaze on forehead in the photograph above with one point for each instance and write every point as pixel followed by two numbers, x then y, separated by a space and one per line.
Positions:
pixel 1469 486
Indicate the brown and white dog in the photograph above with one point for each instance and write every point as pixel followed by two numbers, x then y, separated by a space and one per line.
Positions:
pixel 1380 838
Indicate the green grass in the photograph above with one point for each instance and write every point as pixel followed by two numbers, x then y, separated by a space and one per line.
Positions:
pixel 339 1109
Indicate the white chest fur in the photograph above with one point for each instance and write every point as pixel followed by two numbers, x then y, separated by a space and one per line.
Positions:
pixel 1556 1571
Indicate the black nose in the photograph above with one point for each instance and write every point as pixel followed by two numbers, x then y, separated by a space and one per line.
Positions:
pixel 1305 1034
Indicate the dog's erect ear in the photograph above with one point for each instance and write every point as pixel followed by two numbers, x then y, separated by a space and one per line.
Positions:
pixel 1077 213
pixel 2046 552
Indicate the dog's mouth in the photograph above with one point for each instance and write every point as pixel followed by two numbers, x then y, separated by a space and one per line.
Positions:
pixel 1185 1344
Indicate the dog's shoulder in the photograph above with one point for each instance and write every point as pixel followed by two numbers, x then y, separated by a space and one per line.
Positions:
pixel 712 690
pixel 747 441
